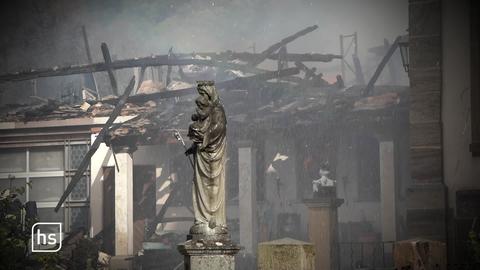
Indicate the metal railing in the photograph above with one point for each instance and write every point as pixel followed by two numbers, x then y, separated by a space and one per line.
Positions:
pixel 365 255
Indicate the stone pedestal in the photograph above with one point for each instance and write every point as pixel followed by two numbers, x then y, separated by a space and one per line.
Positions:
pixel 322 230
pixel 209 254
pixel 285 254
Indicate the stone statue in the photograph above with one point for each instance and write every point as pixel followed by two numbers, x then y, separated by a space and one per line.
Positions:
pixel 208 133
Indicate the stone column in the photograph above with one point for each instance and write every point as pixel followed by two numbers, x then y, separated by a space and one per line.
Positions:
pixel 124 201
pixel 247 198
pixel 322 230
pixel 387 190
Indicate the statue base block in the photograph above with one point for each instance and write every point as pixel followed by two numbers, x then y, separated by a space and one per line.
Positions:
pixel 209 254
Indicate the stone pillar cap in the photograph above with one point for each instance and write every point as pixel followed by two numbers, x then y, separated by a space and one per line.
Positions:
pixel 286 241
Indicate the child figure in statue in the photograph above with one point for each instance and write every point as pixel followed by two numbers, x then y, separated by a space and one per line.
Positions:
pixel 208 133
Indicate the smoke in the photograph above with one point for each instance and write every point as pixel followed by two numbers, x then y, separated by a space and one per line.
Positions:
pixel 39 35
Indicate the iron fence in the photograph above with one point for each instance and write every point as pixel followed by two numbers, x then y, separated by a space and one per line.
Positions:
pixel 365 255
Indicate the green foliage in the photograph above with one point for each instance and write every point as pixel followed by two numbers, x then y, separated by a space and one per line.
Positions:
pixel 15 235
pixel 474 243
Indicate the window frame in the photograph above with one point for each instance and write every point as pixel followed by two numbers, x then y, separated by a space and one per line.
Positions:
pixel 67 173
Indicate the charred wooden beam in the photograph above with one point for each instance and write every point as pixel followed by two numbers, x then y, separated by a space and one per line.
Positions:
pixel 309 72
pixel 239 83
pixel 381 66
pixel 248 57
pixel 275 47
pixel 100 138
pixel 108 64
pixel 159 60
pixel 90 60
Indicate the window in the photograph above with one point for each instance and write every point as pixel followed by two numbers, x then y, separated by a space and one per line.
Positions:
pixel 45 173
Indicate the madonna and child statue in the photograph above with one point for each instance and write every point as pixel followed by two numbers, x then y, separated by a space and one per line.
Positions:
pixel 208 134
pixel 208 244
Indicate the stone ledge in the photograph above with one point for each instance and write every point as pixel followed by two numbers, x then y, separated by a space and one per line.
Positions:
pixel 200 248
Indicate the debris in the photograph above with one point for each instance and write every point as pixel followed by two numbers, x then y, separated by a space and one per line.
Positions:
pixel 271 169
pixel 149 87
pixel 103 258
pixel 85 106
pixel 100 138
pixel 176 85
pixel 88 95
pixel 281 157
pixel 377 102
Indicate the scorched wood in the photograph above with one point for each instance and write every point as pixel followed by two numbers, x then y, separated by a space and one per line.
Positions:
pixel 238 83
pixel 93 148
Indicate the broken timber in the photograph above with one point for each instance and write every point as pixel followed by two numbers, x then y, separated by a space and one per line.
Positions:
pixel 238 83
pixel 93 148
pixel 159 60
pixel 163 60
pixel 89 58
pixel 381 66
pixel 275 47
pixel 248 57
pixel 108 64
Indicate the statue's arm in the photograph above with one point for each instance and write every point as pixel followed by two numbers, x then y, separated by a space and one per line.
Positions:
pixel 191 150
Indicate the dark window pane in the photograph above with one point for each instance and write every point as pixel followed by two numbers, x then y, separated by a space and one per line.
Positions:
pixel 49 215
pixel 78 218
pixel 80 191
pixel 46 159
pixel 76 154
pixel 12 160
pixel 46 189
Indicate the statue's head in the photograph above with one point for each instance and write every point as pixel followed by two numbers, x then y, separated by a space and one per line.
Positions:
pixel 207 89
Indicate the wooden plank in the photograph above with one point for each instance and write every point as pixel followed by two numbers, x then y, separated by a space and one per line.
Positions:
pixel 93 148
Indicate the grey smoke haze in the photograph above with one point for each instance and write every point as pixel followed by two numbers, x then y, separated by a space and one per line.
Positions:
pixel 47 33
